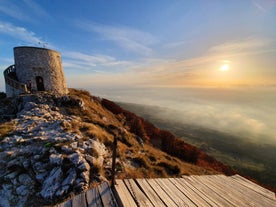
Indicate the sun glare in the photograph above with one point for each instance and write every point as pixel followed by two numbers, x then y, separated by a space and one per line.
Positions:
pixel 224 67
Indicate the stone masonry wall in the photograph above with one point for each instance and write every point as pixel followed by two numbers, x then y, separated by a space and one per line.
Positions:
pixel 33 62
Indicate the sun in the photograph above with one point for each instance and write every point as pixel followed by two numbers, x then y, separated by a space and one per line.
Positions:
pixel 224 67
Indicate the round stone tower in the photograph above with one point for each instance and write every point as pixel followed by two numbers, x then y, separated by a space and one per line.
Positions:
pixel 40 69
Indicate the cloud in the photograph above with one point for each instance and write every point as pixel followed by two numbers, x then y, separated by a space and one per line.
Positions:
pixel 240 46
pixel 264 6
pixel 19 33
pixel 197 71
pixel 130 39
pixel 78 60
pixel 200 70
pixel 213 54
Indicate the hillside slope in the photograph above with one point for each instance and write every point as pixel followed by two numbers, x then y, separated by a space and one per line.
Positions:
pixel 54 147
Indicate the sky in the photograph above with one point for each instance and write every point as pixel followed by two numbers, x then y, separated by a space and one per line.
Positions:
pixel 148 43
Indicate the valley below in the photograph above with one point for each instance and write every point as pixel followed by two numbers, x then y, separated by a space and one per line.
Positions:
pixel 248 156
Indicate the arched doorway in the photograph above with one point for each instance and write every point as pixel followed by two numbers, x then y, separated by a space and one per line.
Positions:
pixel 39 83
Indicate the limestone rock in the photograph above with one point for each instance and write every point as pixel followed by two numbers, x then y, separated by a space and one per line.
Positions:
pixel 22 190
pixel 25 179
pixel 42 154
pixel 56 159
pixel 75 158
pixel 51 184
pixel 84 166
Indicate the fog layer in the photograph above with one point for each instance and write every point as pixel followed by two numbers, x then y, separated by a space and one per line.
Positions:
pixel 248 112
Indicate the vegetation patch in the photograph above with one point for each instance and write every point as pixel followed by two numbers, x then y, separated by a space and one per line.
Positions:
pixel 5 129
pixel 170 169
pixel 139 162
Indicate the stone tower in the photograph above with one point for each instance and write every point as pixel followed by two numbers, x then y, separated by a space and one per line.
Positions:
pixel 35 69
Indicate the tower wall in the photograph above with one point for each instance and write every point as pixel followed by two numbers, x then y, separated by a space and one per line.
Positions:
pixel 42 67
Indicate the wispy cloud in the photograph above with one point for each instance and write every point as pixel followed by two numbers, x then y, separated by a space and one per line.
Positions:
pixel 264 6
pixel 199 69
pixel 78 60
pixel 128 38
pixel 19 33
pixel 238 46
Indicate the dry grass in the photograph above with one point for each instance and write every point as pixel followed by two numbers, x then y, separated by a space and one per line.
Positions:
pixel 91 130
pixel 94 112
pixel 5 129
pixel 72 126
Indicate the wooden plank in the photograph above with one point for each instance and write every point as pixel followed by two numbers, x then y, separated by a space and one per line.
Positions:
pixel 93 198
pixel 137 194
pixel 190 193
pixel 79 200
pixel 230 193
pixel 177 196
pixel 170 192
pixel 255 198
pixel 106 195
pixel 254 186
pixel 222 189
pixel 161 193
pixel 65 204
pixel 233 188
pixel 125 196
pixel 151 194
pixel 189 184
pixel 248 194
pixel 214 196
pixel 219 196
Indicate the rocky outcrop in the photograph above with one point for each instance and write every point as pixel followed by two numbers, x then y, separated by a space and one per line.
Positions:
pixel 41 159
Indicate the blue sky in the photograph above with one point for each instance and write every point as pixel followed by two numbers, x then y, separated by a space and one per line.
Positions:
pixel 169 43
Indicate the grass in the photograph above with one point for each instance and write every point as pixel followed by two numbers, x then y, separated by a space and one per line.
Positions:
pixel 5 129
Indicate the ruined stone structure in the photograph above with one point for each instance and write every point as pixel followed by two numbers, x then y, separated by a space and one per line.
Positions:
pixel 35 69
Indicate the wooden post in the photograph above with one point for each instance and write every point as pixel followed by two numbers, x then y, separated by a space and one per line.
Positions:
pixel 114 155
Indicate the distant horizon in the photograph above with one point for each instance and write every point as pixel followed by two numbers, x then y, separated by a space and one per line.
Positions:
pixel 233 110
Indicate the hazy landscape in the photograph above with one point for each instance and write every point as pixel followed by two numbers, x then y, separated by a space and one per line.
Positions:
pixel 236 126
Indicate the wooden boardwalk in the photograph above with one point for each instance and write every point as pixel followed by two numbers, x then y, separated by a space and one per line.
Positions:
pixel 100 196
pixel 194 191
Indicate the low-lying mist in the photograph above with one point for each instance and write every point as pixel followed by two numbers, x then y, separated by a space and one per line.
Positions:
pixel 247 112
